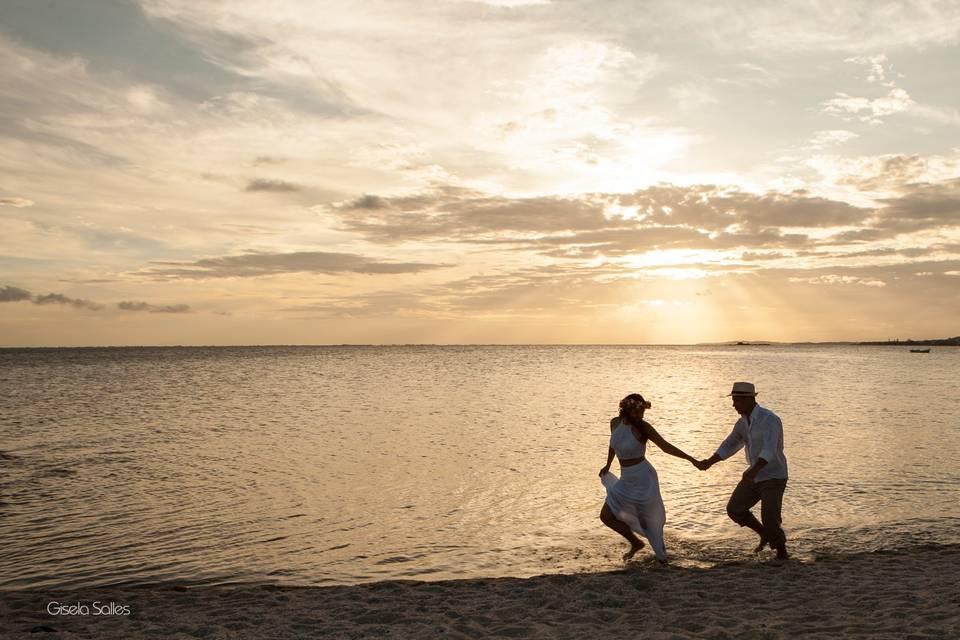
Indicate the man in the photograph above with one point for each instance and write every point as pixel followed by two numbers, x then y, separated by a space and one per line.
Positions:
pixel 761 432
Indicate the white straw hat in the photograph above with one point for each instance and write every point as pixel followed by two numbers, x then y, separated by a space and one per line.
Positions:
pixel 743 389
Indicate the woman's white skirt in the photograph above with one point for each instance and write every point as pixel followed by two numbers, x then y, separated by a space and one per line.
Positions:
pixel 635 499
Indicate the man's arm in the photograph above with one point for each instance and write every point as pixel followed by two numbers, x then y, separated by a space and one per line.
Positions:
pixel 750 474
pixel 771 434
pixel 731 444
pixel 703 465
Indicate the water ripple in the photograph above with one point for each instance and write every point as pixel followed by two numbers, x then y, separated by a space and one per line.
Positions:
pixel 338 465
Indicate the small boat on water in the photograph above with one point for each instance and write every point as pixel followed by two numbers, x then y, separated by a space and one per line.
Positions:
pixel 927 350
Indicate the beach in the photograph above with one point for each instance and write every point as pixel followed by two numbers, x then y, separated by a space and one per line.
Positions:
pixel 911 592
pixel 156 512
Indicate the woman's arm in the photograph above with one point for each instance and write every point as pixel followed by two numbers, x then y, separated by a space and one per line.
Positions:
pixel 703 465
pixel 658 440
pixel 606 467
pixel 610 451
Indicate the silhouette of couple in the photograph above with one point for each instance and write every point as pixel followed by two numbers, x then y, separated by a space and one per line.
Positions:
pixel 634 505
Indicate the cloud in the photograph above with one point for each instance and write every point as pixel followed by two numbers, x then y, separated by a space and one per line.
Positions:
pixel 897 100
pixel 535 290
pixel 869 110
pixel 578 290
pixel 264 184
pixel 906 252
pixel 615 242
pixel 939 115
pixel 16 202
pixel 837 279
pixel 892 171
pixel 878 66
pixel 829 138
pixel 456 214
pixel 754 256
pixel 14 294
pixel 682 225
pixel 262 160
pixel 746 74
pixel 852 26
pixel 252 265
pixel 715 208
pixel 644 218
pixel 378 304
pixel 367 202
pixel 923 206
pixel 581 290
pixel 510 4
pixel 59 298
pixel 152 308
pixel 887 175
pixel 391 68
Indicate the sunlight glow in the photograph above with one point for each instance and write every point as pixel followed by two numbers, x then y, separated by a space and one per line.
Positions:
pixel 664 257
pixel 679 274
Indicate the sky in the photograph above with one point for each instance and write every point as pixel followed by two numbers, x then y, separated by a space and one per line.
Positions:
pixel 176 172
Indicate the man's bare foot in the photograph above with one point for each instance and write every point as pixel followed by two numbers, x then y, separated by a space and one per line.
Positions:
pixel 760 545
pixel 782 551
pixel 633 550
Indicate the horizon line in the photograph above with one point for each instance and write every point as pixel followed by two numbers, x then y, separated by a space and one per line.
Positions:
pixel 726 343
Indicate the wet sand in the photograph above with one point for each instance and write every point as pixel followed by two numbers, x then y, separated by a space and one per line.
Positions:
pixel 913 593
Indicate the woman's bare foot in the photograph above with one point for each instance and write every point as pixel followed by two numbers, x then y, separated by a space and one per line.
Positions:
pixel 636 546
pixel 760 545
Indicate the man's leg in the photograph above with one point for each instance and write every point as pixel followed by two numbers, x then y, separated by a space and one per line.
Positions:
pixel 738 508
pixel 771 505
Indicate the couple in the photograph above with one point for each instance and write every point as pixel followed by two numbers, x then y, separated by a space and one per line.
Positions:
pixel 633 501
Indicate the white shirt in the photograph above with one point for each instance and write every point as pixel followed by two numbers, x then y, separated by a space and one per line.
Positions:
pixel 762 435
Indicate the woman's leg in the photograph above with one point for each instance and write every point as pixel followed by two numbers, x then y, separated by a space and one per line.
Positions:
pixel 607 518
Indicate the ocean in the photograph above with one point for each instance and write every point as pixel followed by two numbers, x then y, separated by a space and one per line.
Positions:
pixel 348 464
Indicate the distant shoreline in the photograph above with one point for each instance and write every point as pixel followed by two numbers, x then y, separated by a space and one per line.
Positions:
pixel 932 342
pixel 943 342
pixel 929 342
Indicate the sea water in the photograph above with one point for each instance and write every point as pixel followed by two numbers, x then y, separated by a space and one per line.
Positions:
pixel 338 465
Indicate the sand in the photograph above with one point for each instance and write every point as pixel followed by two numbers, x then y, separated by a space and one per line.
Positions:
pixel 911 593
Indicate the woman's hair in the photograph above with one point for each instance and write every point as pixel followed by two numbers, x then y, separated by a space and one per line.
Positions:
pixel 631 402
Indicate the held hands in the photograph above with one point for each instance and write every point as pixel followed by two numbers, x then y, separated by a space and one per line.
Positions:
pixel 604 470
pixel 703 465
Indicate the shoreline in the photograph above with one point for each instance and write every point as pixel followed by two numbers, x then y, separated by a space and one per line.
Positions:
pixel 912 592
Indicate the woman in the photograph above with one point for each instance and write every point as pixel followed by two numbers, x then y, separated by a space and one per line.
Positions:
pixel 633 502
